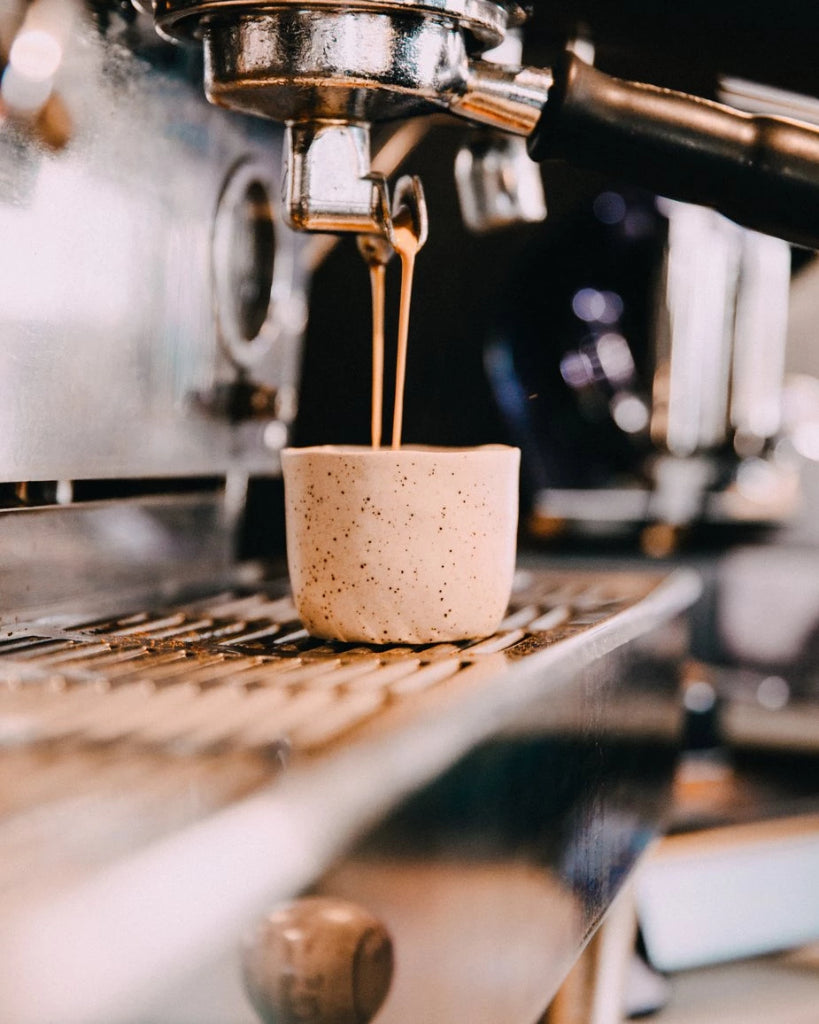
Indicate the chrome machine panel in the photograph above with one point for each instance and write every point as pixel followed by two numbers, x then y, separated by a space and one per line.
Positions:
pixel 151 301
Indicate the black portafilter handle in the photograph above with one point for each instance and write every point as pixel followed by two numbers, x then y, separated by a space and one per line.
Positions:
pixel 760 171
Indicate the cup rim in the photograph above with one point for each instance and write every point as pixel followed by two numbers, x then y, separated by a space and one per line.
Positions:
pixel 413 450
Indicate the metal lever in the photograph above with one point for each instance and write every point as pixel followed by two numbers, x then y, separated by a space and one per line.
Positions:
pixel 318 961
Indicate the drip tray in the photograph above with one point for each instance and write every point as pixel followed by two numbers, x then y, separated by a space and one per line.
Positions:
pixel 189 763
pixel 238 673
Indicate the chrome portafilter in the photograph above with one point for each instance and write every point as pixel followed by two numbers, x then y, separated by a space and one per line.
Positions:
pixel 359 62
pixel 328 71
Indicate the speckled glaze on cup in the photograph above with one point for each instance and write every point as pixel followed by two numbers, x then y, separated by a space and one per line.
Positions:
pixel 409 545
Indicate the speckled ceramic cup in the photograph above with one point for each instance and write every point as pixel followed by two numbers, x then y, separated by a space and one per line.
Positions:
pixel 409 545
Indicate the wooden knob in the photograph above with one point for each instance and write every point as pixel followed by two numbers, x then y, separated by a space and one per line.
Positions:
pixel 318 961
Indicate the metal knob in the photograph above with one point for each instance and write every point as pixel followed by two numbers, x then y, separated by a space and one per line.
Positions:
pixel 318 961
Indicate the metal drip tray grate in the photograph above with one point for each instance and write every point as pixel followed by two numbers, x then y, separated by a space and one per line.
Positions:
pixel 237 672
pixel 118 732
pixel 165 774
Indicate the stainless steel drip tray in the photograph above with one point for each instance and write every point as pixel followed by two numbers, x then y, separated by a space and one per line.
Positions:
pixel 169 773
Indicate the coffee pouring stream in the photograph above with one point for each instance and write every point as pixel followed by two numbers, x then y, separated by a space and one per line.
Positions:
pixel 406 230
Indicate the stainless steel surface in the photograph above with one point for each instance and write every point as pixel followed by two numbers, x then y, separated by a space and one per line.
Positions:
pixel 758 371
pixel 498 184
pixel 719 368
pixel 692 381
pixel 329 72
pixel 396 143
pixel 71 559
pixel 485 19
pixel 327 184
pixel 330 185
pixel 230 694
pixel 510 98
pixel 721 352
pixel 115 358
pixel 370 61
pixel 301 63
pixel 409 213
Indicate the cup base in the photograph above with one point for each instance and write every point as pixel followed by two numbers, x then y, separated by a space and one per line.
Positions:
pixel 396 635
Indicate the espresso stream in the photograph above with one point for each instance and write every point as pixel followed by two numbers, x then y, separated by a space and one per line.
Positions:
pixel 406 243
pixel 377 279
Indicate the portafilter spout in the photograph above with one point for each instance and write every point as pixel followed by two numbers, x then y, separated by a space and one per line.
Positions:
pixel 328 71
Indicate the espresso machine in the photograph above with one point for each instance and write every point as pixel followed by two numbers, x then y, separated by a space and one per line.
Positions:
pixel 178 756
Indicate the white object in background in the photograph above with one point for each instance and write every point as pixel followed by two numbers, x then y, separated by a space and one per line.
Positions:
pixel 740 891
pixel 769 603
pixel 760 331
pixel 702 278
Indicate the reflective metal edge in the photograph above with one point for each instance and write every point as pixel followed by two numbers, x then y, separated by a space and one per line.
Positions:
pixel 53 558
pixel 182 899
